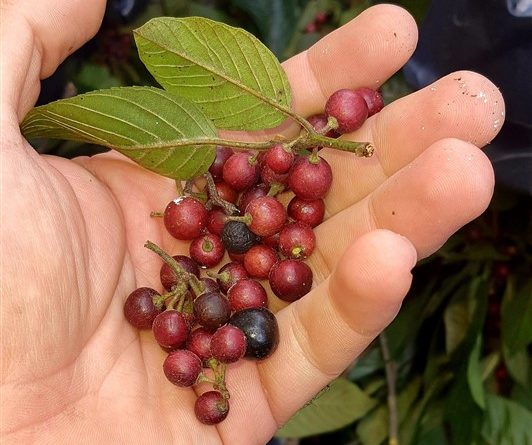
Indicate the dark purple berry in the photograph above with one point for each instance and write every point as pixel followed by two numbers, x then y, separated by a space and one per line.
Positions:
pixel 211 408
pixel 185 218
pixel 209 285
pixel 241 171
pixel 199 342
pixel 207 250
pixel 297 240
pixel 247 293
pixel 373 100
pixel 290 279
pixel 170 329
pixel 309 212
pixel 182 367
pixel 279 159
pixel 267 215
pixel 216 168
pixel 348 108
pixel 212 310
pixel 259 260
pixel 237 237
pixel 261 330
pixel 310 180
pixel 139 309
pixel 169 278
pixel 228 344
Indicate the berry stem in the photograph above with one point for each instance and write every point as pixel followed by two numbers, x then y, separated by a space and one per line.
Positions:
pixel 214 198
pixel 156 214
pixel 219 376
pixel 275 189
pixel 246 219
pixel 181 274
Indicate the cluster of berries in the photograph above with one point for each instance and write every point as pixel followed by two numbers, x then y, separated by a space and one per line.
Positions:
pixel 209 322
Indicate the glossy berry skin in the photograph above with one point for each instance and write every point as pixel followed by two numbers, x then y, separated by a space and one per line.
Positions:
pixel 308 212
pixel 226 192
pixel 211 408
pixel 209 285
pixel 271 241
pixel 237 257
pixel 228 344
pixel 170 329
pixel 254 192
pixel 229 274
pixel 207 250
pixel 241 171
pixel 373 100
pixel 216 220
pixel 169 278
pixel 182 367
pixel 269 177
pixel 349 108
pixel 237 237
pixel 245 294
pixel 297 240
pixel 310 180
pixel 212 310
pixel 267 215
pixel 199 342
pixel 139 309
pixel 259 260
pixel 216 168
pixel 290 279
pixel 279 159
pixel 185 218
pixel 261 330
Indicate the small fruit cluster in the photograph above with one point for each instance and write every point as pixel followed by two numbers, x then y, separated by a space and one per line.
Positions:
pixel 209 322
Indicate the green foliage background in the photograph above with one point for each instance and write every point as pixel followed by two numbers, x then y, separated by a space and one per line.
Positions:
pixel 461 344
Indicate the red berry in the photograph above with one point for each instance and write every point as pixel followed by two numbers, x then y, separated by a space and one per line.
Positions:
pixel 212 310
pixel 279 159
pixel 259 260
pixel 310 180
pixel 310 28
pixel 207 250
pixel 319 121
pixel 267 215
pixel 228 344
pixel 169 278
pixel 297 240
pixel 309 212
pixel 321 17
pixel 247 293
pixel 348 108
pixel 229 274
pixel 226 192
pixel 249 195
pixel 269 177
pixel 271 241
pixel 199 342
pixel 241 171
pixel 209 285
pixel 373 100
pixel 170 329
pixel 139 309
pixel 290 279
pixel 211 408
pixel 185 218
pixel 216 168
pixel 237 257
pixel 182 367
pixel 216 220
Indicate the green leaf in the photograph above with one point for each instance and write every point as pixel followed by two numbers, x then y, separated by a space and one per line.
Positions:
pixel 341 404
pixel 516 316
pixel 488 364
pixel 275 19
pixel 518 364
pixel 91 77
pixel 161 132
pixel 232 77
pixel 506 422
pixel 474 374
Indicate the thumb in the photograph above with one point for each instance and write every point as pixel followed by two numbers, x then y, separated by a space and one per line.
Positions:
pixel 322 333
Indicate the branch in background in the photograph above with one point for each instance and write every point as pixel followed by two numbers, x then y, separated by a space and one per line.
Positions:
pixel 390 369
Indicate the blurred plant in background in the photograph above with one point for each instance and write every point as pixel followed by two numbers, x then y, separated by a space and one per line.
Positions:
pixel 455 366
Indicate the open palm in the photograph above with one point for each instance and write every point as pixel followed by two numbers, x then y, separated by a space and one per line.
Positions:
pixel 73 235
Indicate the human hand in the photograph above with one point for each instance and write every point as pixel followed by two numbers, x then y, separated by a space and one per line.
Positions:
pixel 73 235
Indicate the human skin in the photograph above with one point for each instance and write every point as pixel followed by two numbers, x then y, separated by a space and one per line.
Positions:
pixel 73 233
